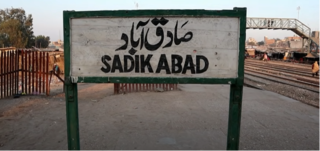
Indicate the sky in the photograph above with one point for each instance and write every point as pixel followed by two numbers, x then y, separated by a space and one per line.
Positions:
pixel 47 15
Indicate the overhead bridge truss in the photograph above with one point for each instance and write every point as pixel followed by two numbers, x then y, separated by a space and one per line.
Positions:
pixel 283 24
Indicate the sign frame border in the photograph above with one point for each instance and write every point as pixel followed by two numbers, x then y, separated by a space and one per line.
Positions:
pixel 236 84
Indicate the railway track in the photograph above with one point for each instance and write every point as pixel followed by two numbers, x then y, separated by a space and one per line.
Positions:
pixel 262 76
pixel 284 65
pixel 292 63
pixel 281 69
pixel 289 74
pixel 267 64
pixel 305 72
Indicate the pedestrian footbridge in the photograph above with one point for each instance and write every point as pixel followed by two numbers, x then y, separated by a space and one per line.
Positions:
pixel 284 24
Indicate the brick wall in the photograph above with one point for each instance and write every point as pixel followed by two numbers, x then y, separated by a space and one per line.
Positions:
pixel 268 41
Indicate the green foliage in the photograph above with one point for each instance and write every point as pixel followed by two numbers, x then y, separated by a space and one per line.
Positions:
pixel 260 43
pixel 12 33
pixel 42 41
pixel 16 28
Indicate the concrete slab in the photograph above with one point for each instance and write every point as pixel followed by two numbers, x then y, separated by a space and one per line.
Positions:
pixel 194 118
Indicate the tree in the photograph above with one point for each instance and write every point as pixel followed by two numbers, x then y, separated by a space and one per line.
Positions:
pixel 261 43
pixel 251 43
pixel 12 34
pixel 16 28
pixel 42 41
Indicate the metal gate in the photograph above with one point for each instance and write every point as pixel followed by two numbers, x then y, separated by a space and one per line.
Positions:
pixel 24 72
pixel 138 87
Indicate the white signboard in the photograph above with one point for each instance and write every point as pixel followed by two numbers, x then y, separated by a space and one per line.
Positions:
pixel 155 47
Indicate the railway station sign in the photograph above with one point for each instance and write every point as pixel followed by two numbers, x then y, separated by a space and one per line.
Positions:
pixel 155 46
pixel 203 47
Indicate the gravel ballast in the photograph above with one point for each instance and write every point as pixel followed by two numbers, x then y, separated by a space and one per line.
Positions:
pixel 299 94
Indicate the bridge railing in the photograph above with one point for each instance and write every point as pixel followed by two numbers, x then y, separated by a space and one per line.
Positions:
pixel 303 28
pixel 279 23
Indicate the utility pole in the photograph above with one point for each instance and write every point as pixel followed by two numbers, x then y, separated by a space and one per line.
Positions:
pixel 298 11
pixel 136 5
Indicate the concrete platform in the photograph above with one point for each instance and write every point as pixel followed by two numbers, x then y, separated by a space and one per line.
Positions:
pixel 193 118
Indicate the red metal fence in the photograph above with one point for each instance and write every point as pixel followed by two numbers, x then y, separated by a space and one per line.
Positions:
pixel 138 87
pixel 24 72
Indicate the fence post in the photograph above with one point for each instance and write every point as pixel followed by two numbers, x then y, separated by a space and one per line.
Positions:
pixel 6 74
pixel 15 87
pixel 32 69
pixel 40 71
pixel 37 72
pixel 29 72
pixel 43 72
pixel 47 75
pixel 16 81
pixel 10 72
pixel 22 71
pixel 1 72
pixel 25 71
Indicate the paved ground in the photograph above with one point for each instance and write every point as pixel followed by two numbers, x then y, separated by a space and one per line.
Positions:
pixel 193 118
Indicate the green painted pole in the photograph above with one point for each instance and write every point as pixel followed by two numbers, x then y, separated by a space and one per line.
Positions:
pixel 234 121
pixel 71 94
pixel 236 89
pixel 72 116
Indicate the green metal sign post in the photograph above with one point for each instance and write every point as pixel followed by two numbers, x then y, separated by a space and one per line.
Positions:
pixel 103 64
